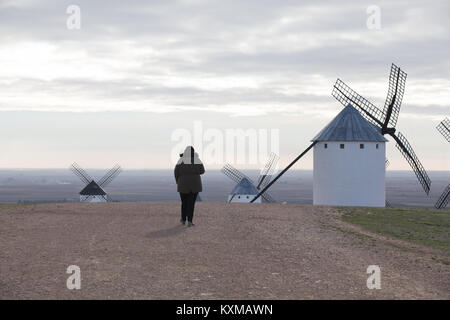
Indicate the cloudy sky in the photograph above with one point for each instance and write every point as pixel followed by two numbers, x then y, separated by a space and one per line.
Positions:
pixel 118 88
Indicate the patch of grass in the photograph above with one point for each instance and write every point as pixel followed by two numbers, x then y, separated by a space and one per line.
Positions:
pixel 362 237
pixel 422 226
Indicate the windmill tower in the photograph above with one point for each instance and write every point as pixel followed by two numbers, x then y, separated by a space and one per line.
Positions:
pixel 349 162
pixel 245 189
pixel 444 129
pixel 383 120
pixel 93 191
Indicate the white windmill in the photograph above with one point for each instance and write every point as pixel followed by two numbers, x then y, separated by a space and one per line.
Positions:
pixel 93 191
pixel 384 122
pixel 349 162
pixel 245 189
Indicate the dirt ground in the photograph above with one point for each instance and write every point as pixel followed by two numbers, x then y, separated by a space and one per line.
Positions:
pixel 235 251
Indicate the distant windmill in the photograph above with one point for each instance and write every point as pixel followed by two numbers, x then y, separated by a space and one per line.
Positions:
pixel 93 191
pixel 384 120
pixel 444 129
pixel 245 189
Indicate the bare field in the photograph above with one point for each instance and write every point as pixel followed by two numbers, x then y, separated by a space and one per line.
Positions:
pixel 236 251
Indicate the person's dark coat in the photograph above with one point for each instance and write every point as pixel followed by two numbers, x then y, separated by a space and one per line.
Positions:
pixel 187 172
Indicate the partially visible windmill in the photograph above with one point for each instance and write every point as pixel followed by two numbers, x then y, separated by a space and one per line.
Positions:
pixel 93 191
pixel 248 184
pixel 384 120
pixel 444 129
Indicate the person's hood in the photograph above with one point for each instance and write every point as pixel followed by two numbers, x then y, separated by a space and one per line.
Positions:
pixel 186 157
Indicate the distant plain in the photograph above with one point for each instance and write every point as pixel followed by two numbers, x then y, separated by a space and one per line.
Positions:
pixel 60 185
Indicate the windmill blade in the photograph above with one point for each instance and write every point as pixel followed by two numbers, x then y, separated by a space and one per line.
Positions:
pixel 267 171
pixel 234 174
pixel 409 154
pixel 444 128
pixel 86 199
pixel 443 199
pixel 267 197
pixel 80 173
pixel 109 176
pixel 397 81
pixel 268 178
pixel 346 95
pixel 386 163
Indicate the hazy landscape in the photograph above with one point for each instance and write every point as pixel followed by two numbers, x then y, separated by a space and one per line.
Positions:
pixel 60 185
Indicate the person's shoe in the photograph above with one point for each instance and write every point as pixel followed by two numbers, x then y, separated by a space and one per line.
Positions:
pixel 190 224
pixel 183 222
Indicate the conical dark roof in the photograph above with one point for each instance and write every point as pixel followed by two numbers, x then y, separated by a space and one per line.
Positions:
pixel 245 187
pixel 92 189
pixel 350 125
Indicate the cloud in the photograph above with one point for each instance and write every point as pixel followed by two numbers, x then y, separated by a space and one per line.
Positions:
pixel 237 57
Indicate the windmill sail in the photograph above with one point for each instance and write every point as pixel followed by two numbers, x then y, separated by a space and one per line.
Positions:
pixel 346 95
pixel 386 119
pixel 234 174
pixel 109 176
pixel 443 199
pixel 87 199
pixel 80 173
pixel 397 80
pixel 409 154
pixel 267 197
pixel 267 171
pixel 444 128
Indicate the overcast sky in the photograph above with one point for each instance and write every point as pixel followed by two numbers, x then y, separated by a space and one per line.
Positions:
pixel 116 89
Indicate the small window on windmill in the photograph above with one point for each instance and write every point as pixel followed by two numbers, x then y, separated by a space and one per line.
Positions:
pixel 239 197
pixel 247 197
pixel 361 146
pixel 326 145
pixel 341 146
pixel 377 146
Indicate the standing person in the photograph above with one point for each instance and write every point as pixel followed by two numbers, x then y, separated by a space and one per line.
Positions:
pixel 189 184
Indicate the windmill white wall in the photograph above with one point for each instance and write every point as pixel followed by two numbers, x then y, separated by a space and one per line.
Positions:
pixel 349 162
pixel 351 176
pixel 243 198
pixel 244 192
pixel 92 198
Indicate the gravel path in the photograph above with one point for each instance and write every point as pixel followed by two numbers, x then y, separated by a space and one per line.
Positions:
pixel 236 251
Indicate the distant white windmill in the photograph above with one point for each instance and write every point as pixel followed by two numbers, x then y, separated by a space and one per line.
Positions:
pixel 93 191
pixel 245 189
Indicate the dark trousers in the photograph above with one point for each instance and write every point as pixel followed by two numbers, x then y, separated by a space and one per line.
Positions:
pixel 187 205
